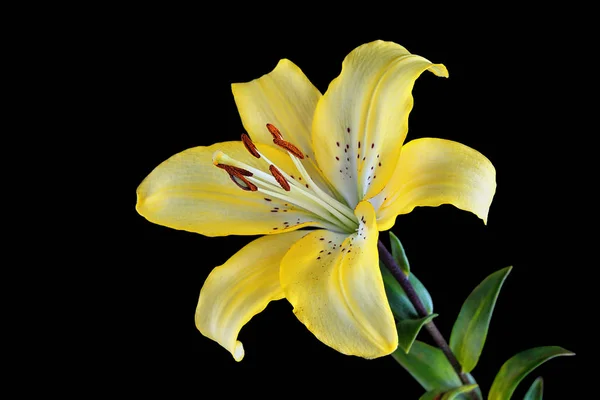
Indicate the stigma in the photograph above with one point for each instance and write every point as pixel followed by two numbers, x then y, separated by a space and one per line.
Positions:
pixel 274 182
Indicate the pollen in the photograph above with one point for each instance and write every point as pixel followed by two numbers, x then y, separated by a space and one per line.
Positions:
pixel 289 147
pixel 274 132
pixel 249 145
pixel 279 178
pixel 243 183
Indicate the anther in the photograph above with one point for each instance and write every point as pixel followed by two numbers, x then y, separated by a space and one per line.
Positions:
pixel 289 147
pixel 231 169
pixel 243 183
pixel 238 175
pixel 274 131
pixel 279 178
pixel 249 145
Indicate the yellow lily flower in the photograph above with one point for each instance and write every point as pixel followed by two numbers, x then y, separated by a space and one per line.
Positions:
pixel 334 163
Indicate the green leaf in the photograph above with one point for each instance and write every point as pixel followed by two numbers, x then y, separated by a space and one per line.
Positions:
pixel 536 390
pixel 433 395
pixel 399 254
pixel 408 329
pixel 429 366
pixel 399 301
pixel 517 368
pixel 477 390
pixel 422 292
pixel 471 326
pixel 442 394
pixel 454 393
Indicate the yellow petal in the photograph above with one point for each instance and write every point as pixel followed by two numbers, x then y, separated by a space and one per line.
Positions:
pixel 241 288
pixel 188 192
pixel 286 99
pixel 334 283
pixel 362 120
pixel 432 172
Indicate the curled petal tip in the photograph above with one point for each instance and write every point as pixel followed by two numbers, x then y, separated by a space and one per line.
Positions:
pixel 439 70
pixel 238 351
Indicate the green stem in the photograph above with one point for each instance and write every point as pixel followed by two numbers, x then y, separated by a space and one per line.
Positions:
pixel 388 260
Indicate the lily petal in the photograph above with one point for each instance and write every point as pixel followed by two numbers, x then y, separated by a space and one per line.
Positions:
pixel 361 121
pixel 189 192
pixel 432 172
pixel 286 99
pixel 241 288
pixel 334 283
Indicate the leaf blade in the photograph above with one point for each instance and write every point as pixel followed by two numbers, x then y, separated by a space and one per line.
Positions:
pixel 428 365
pixel 452 394
pixel 408 329
pixel 517 367
pixel 399 254
pixel 471 327
pixel 397 298
pixel 536 390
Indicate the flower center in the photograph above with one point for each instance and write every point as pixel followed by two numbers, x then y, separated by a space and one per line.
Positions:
pixel 278 184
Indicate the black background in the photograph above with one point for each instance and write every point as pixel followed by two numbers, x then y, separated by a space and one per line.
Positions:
pixel 508 96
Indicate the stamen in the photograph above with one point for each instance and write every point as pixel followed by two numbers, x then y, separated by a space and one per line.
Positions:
pixel 278 140
pixel 332 205
pixel 279 178
pixel 289 147
pixel 238 175
pixel 278 184
pixel 243 183
pixel 250 146
pixel 240 171
pixel 275 132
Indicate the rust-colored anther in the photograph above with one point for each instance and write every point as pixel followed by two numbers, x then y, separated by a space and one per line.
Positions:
pixel 242 171
pixel 243 183
pixel 234 170
pixel 249 145
pixel 238 176
pixel 279 178
pixel 289 147
pixel 275 132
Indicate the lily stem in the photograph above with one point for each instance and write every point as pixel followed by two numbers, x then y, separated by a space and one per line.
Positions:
pixel 388 260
